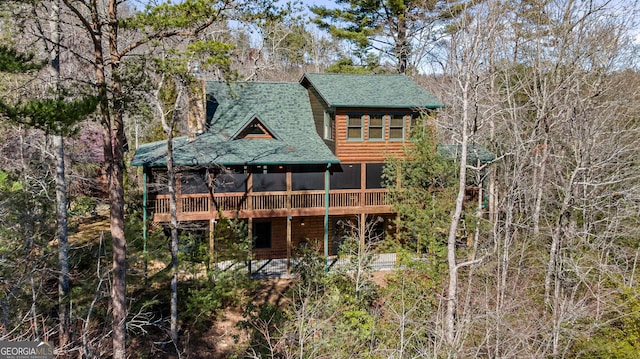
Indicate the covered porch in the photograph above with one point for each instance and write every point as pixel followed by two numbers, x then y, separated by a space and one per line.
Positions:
pixel 204 206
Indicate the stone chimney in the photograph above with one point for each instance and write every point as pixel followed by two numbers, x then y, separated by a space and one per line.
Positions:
pixel 197 109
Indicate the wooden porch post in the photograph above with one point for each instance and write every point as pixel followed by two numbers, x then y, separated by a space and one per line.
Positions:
pixel 326 217
pixel 288 181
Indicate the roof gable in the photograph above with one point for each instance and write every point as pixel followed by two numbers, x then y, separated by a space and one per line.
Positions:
pixel 254 128
pixel 373 91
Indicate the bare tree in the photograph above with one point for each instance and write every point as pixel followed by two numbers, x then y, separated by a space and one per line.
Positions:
pixel 467 55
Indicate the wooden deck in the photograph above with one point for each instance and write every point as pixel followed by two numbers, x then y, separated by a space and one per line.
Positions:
pixel 204 206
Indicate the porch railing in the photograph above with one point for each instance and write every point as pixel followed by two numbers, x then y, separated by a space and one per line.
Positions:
pixel 266 201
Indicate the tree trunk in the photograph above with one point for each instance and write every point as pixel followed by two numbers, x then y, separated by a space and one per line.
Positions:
pixel 64 303
pixel 168 125
pixel 116 194
pixel 173 208
pixel 402 47
pixel 556 236
pixel 452 291
pixel 119 283
pixel 62 233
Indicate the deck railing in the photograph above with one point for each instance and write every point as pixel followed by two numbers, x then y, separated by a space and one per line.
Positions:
pixel 266 201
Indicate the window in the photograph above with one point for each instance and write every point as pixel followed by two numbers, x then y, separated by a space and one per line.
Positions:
pixel 328 126
pixel 376 128
pixel 354 128
pixel 255 129
pixel 396 128
pixel 261 235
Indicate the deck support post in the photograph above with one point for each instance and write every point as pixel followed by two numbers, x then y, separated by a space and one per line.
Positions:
pixel 326 217
pixel 289 218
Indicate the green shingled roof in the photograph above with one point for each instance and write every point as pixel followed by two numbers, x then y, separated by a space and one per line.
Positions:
pixel 283 108
pixel 376 91
pixel 474 153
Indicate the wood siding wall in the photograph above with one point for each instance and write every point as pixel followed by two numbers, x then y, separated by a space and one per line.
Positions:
pixel 365 151
pixel 311 233
pixel 318 108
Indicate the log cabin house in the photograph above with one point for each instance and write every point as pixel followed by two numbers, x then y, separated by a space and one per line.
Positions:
pixel 293 159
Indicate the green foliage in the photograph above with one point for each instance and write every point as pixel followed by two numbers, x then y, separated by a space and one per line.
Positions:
pixel 7 184
pixel 14 62
pixel 406 324
pixel 346 66
pixel 357 322
pixel 170 15
pixel 27 220
pixel 205 298
pixel 224 285
pixel 231 240
pixel 212 54
pixel 618 334
pixel 354 278
pixel 83 206
pixel 422 192
pixel 311 267
pixel 389 27
pixel 207 53
pixel 193 247
pixel 266 318
pixel 51 115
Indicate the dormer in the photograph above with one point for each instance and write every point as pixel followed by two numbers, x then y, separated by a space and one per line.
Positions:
pixel 255 128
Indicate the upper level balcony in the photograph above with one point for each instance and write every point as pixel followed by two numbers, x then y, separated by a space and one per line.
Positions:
pixel 272 191
pixel 206 206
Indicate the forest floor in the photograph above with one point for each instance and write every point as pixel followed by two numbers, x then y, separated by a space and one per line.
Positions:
pixel 224 337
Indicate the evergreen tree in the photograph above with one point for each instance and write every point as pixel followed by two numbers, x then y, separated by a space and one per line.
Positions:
pixel 421 188
pixel 405 31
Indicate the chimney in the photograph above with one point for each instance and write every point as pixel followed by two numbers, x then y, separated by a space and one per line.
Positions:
pixel 197 109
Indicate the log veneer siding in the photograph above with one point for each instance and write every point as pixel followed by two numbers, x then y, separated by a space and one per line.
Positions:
pixel 349 151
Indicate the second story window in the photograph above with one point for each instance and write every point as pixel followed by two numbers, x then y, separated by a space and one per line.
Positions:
pixel 328 126
pixel 354 128
pixel 376 128
pixel 396 128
